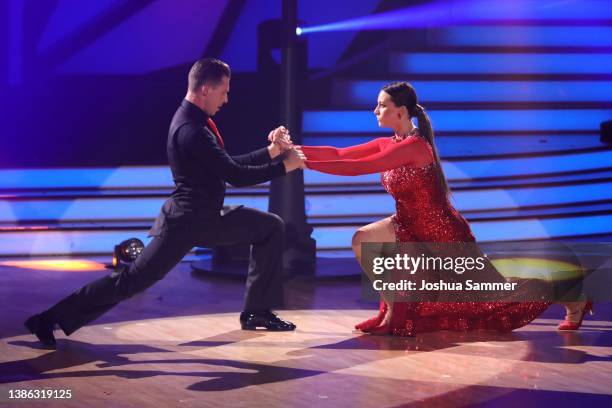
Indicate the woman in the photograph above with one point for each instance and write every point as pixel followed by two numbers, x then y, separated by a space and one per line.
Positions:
pixel 412 174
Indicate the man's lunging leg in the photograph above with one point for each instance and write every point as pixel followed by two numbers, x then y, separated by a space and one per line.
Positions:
pixel 99 296
pixel 264 287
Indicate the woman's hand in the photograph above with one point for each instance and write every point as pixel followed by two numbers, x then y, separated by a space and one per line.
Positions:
pixel 295 159
pixel 280 140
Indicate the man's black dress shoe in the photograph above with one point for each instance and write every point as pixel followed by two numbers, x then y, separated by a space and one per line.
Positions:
pixel 42 328
pixel 268 320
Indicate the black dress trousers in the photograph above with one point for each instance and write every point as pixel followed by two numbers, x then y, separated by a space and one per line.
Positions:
pixel 264 231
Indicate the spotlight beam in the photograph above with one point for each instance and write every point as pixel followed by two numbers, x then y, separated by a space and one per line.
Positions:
pixel 440 13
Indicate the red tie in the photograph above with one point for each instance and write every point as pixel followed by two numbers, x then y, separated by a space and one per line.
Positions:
pixel 212 125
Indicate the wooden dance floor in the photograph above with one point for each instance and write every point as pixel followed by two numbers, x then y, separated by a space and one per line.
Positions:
pixel 179 345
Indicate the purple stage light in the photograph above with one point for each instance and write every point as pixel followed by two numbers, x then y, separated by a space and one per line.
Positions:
pixel 440 13
pixel 416 16
pixel 15 10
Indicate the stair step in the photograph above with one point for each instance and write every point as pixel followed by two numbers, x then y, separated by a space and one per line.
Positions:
pixel 109 181
pixel 521 36
pixel 488 231
pixel 528 166
pixel 102 178
pixel 500 63
pixel 61 183
pixel 317 205
pixel 478 200
pixel 465 121
pixel 332 218
pixel 100 209
pixel 363 93
pixel 540 212
pixel 601 175
pixel 37 243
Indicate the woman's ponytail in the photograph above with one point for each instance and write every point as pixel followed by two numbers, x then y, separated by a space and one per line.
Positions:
pixel 426 131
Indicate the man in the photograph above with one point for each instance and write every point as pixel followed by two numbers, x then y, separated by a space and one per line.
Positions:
pixel 195 216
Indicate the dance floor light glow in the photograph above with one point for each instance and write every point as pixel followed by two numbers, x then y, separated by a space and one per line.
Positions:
pixel 537 268
pixel 52 243
pixel 66 265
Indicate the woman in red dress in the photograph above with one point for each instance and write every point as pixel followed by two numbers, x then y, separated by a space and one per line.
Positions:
pixel 412 174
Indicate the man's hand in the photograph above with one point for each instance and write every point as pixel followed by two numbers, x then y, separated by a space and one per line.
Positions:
pixel 280 141
pixel 294 160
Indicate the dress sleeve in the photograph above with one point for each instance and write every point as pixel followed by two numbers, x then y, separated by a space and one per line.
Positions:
pixel 411 151
pixel 318 153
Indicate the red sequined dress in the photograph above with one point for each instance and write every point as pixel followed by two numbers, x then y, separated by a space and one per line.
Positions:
pixel 423 214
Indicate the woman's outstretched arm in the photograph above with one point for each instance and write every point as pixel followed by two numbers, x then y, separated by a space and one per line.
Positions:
pixel 411 151
pixel 353 152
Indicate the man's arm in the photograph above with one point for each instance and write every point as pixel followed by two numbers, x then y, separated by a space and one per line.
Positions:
pixel 256 157
pixel 264 155
pixel 202 146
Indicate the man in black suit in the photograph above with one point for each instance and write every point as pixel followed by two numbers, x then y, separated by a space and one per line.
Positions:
pixel 195 216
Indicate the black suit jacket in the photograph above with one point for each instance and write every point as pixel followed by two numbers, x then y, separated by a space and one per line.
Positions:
pixel 201 167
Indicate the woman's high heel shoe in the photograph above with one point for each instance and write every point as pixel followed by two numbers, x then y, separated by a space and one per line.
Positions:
pixel 370 324
pixel 383 330
pixel 574 324
pixel 398 324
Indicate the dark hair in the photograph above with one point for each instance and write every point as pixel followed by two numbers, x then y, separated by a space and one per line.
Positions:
pixel 403 94
pixel 209 70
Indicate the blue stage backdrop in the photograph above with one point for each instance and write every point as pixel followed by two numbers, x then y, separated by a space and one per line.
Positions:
pixel 516 90
pixel 95 83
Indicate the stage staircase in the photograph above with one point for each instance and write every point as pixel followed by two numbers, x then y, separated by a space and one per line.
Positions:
pixel 516 110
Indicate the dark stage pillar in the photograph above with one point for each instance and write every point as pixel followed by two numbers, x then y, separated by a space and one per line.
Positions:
pixel 605 132
pixel 287 193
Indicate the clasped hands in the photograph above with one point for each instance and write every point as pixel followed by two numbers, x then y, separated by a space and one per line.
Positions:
pixel 280 142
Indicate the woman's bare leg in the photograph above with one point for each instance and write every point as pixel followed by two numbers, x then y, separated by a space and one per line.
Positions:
pixel 379 231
